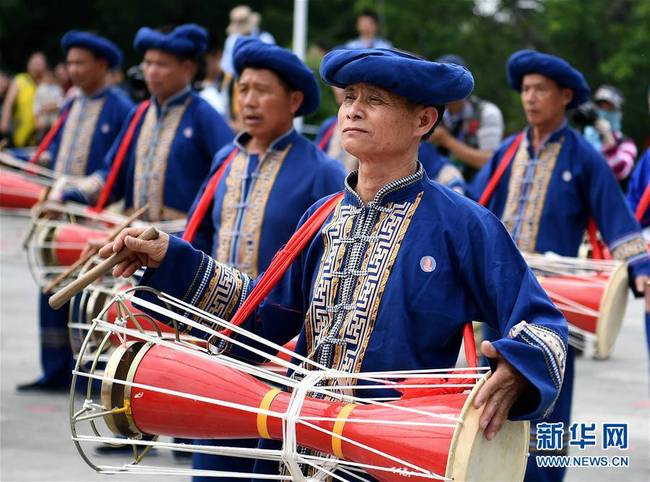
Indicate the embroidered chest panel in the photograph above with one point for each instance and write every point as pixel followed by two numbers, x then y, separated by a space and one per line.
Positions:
pixel 527 189
pixel 242 212
pixel 361 298
pixel 77 136
pixel 151 157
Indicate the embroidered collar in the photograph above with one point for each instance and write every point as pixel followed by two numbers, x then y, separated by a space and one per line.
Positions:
pixel 278 144
pixel 97 95
pixel 176 99
pixel 397 190
pixel 552 137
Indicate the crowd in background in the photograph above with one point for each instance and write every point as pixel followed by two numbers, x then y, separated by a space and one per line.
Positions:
pixel 472 129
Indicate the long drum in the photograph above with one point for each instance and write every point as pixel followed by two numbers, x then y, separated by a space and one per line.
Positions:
pixel 18 192
pixel 592 295
pixel 391 437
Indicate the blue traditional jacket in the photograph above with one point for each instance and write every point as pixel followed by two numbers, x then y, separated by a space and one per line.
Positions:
pixel 638 183
pixel 90 128
pixel 435 164
pixel 259 200
pixel 546 199
pixel 168 158
pixel 389 285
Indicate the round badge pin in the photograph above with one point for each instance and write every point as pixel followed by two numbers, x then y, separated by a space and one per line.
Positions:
pixel 187 132
pixel 427 264
pixel 566 176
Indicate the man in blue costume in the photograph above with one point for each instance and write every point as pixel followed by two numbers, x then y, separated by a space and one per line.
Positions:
pixel 175 139
pixel 639 183
pixel 92 121
pixel 400 265
pixel 274 175
pixel 437 166
pixel 555 183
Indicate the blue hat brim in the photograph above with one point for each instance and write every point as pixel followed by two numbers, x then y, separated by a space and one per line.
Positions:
pixel 101 46
pixel 526 62
pixel 419 80
pixel 185 40
pixel 253 53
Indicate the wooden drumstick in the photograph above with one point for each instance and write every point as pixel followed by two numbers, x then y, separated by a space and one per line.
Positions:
pixel 57 300
pixel 92 251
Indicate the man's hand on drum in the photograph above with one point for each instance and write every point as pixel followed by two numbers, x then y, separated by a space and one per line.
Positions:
pixel 143 253
pixel 499 393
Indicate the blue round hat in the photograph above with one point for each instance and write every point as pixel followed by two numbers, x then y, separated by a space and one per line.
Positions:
pixel 419 80
pixel 187 39
pixel 100 46
pixel 252 52
pixel 532 62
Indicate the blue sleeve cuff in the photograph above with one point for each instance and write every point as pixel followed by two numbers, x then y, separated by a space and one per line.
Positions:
pixel 539 354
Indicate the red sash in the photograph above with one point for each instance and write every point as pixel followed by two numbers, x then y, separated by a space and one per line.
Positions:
pixel 206 199
pixel 643 204
pixel 119 157
pixel 327 136
pixel 51 134
pixel 501 169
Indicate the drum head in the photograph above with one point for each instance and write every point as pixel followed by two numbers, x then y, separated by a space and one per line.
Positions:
pixel 474 458
pixel 612 312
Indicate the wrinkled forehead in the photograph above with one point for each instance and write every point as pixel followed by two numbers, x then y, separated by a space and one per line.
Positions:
pixel 365 88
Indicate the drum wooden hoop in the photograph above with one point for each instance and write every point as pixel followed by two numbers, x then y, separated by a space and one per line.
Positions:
pixel 612 311
pixel 473 457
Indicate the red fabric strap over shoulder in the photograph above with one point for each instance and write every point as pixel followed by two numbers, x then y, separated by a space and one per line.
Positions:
pixel 119 157
pixel 283 259
pixel 51 134
pixel 501 169
pixel 643 204
pixel 206 199
pixel 327 136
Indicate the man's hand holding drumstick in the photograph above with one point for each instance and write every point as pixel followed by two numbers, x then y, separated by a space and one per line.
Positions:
pixel 143 253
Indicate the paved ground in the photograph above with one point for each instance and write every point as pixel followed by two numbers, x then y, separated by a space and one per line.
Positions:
pixel 35 436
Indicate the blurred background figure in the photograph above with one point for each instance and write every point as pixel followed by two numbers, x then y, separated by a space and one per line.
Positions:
pixel 135 85
pixel 368 26
pixel 62 77
pixel 605 131
pixel 17 110
pixel 472 129
pixel 48 100
pixel 212 84
pixel 5 82
pixel 243 21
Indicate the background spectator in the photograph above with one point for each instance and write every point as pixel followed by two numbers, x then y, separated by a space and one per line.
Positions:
pixel 18 106
pixel 368 28
pixel 47 102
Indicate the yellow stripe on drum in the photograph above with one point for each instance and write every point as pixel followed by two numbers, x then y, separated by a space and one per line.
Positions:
pixel 337 431
pixel 262 427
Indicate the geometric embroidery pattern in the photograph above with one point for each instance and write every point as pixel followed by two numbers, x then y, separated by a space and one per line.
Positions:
pixel 151 167
pixel 527 188
pixel 77 136
pixel 384 242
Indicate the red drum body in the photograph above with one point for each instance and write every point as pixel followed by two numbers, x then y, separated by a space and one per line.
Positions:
pixel 592 300
pixel 418 431
pixel 17 192
pixel 62 245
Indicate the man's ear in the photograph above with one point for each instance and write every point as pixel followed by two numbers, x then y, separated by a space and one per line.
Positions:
pixel 295 100
pixel 427 117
